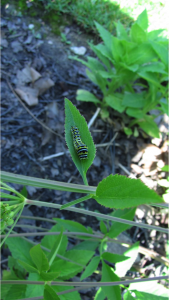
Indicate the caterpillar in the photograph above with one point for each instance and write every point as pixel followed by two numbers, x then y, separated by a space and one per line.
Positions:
pixel 80 147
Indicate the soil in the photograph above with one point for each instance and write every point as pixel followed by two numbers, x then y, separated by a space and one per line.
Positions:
pixel 25 142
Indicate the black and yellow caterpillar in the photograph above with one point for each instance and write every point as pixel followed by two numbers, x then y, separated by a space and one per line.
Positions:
pixel 80 147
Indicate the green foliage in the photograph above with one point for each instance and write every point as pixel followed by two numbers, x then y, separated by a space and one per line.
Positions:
pixel 123 63
pixel 52 259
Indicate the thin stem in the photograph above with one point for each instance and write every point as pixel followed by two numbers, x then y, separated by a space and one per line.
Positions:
pixel 97 215
pixel 83 284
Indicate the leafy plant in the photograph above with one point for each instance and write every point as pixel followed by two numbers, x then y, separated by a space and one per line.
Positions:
pixel 125 63
pixel 49 265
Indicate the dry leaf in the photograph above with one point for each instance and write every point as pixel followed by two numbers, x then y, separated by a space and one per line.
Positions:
pixel 27 75
pixel 29 95
pixel 43 84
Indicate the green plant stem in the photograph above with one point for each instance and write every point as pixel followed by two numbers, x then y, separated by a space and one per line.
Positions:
pixel 83 284
pixel 97 215
pixel 44 183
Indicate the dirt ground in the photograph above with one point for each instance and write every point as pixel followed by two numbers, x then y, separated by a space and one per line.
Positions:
pixel 37 73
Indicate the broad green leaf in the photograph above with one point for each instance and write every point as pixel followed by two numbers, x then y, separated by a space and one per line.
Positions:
pixel 161 52
pixel 13 292
pixel 28 268
pixel 66 269
pixel 111 292
pixel 117 191
pixel 134 100
pixel 157 67
pixel 55 248
pixel 87 245
pixel 80 256
pixel 34 290
pixel 114 258
pixel 39 258
pixel 115 102
pixel 105 35
pixel 122 267
pixel 165 168
pixel 117 49
pixel 138 35
pixel 91 267
pixel 149 126
pixel 135 113
pixel 49 240
pixel 121 32
pixel 99 50
pixel 20 249
pixel 147 296
pixel 150 77
pixel 142 20
pixel 13 264
pixel 95 65
pixel 153 35
pixel 69 296
pixel 132 68
pixel 99 295
pixel 141 54
pixel 117 228
pixel 71 225
pixel 83 95
pixel 50 276
pixel 74 118
pixel 103 227
pixel 50 294
pixel 150 286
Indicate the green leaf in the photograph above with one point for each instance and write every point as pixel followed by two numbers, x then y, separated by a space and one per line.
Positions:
pixel 161 52
pixel 138 35
pixel 117 191
pixel 147 296
pixel 103 227
pixel 128 296
pixel 142 20
pixel 128 131
pixel 111 292
pixel 153 35
pixel 164 105
pixel 49 240
pixel 157 67
pixel 106 36
pixel 50 294
pixel 83 95
pixel 121 32
pixel 149 126
pixel 87 245
pixel 71 225
pixel 69 296
pixel 113 258
pixel 8 196
pixel 150 77
pixel 13 292
pixel 27 267
pixel 55 248
pixel 165 168
pixel 39 258
pixel 117 228
pixel 155 288
pixel 122 267
pixel 74 118
pixel 50 276
pixel 115 102
pixel 101 52
pixel 20 249
pixel 141 54
pixel 134 100
pixel 99 295
pixel 135 113
pixel 91 267
pixel 34 290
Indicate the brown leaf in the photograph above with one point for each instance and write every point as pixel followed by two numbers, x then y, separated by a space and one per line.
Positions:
pixel 43 84
pixel 29 95
pixel 27 75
